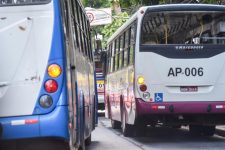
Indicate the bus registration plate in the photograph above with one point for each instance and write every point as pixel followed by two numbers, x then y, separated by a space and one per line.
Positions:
pixel 189 89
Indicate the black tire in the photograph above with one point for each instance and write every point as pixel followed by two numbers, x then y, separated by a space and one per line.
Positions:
pixel 115 124
pixel 109 109
pixel 82 125
pixel 82 147
pixel 127 129
pixel 176 126
pixel 71 141
pixel 195 129
pixel 94 113
pixel 88 141
pixel 209 130
pixel 140 130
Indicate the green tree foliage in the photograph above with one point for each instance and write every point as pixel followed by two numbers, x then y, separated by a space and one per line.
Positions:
pixel 117 22
pixel 97 3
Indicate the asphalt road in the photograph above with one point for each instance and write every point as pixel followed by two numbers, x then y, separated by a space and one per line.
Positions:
pixel 106 138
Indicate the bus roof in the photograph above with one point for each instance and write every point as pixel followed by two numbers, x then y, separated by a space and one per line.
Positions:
pixel 168 7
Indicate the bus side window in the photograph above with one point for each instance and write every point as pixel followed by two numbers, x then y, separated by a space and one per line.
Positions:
pixel 126 47
pixel 113 57
pixel 86 38
pixel 121 61
pixel 76 28
pixel 109 58
pixel 117 54
pixel 132 42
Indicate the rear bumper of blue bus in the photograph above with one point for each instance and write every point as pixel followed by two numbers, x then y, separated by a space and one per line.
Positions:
pixel 54 124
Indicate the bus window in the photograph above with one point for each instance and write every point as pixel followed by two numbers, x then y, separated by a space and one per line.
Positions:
pixel 117 54
pixel 112 57
pixel 121 60
pixel 126 47
pixel 132 43
pixel 184 28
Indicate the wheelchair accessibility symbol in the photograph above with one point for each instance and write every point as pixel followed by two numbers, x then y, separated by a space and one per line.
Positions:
pixel 158 97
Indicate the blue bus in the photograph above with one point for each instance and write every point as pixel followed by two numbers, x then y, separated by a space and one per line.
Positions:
pixel 47 84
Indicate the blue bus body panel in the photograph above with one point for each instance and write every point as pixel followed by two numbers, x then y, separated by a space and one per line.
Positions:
pixel 19 131
pixel 54 124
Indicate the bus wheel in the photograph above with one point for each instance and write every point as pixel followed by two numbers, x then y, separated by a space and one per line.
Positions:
pixel 115 124
pixel 209 130
pixel 81 147
pixel 88 141
pixel 195 129
pixel 128 130
pixel 140 130
pixel 71 142
pixel 109 114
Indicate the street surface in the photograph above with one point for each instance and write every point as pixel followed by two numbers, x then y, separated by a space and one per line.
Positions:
pixel 106 138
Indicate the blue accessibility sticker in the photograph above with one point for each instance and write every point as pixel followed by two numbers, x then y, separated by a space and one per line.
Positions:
pixel 158 97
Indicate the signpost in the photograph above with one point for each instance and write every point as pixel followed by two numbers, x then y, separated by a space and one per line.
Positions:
pixel 99 16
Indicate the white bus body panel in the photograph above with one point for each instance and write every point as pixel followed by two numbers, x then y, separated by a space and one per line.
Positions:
pixel 25 43
pixel 155 70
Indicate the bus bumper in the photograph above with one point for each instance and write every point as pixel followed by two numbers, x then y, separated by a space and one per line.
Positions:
pixel 54 124
pixel 179 107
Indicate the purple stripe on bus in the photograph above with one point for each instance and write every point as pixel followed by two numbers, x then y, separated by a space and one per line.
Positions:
pixel 180 107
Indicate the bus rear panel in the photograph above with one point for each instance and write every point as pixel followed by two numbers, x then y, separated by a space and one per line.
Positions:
pixel 182 78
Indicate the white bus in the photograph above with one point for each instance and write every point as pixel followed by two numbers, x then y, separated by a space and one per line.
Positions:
pixel 166 65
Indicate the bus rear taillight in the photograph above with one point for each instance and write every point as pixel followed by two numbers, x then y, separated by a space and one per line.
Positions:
pixel 51 86
pixel 143 87
pixel 141 80
pixel 46 101
pixel 156 107
pixel 54 70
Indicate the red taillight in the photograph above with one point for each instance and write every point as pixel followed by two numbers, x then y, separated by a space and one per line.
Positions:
pixel 51 86
pixel 143 87
pixel 154 107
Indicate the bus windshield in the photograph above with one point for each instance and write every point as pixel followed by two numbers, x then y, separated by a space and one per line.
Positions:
pixel 22 2
pixel 183 28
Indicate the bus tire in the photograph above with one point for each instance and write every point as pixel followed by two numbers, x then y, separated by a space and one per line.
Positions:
pixel 82 123
pixel 195 130
pixel 115 124
pixel 127 130
pixel 88 140
pixel 140 129
pixel 109 108
pixel 94 114
pixel 209 130
pixel 71 141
